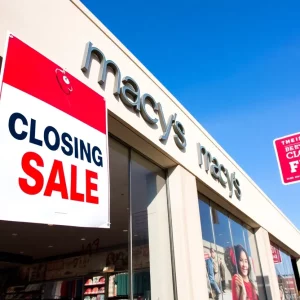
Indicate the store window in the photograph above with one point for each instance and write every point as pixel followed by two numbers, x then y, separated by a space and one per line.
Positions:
pixel 248 269
pixel 232 263
pixel 285 273
pixel 130 260
pixel 222 241
pixel 209 250
pixel 151 259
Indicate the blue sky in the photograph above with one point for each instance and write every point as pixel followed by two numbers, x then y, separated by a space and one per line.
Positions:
pixel 244 57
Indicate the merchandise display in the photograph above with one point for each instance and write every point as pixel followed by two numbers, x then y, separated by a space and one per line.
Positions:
pixel 105 286
pixel 67 289
pixel 118 285
pixel 94 288
pixel 32 291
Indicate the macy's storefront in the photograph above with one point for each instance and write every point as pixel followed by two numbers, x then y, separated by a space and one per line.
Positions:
pixel 169 216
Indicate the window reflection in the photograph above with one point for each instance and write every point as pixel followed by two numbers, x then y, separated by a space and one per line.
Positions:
pixel 210 252
pixel 251 247
pixel 231 256
pixel 207 233
pixel 290 277
pixel 223 242
pixel 285 275
pixel 151 257
pixel 244 281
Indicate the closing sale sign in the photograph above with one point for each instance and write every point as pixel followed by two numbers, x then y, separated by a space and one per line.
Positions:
pixel 53 143
pixel 287 150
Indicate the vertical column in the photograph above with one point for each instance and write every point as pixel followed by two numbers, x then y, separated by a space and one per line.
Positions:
pixel 159 240
pixel 267 264
pixel 190 269
pixel 296 266
pixel 150 231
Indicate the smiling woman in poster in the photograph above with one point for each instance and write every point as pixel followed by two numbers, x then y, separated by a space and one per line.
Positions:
pixel 242 286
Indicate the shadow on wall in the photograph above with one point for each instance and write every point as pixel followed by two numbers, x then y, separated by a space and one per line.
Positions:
pixel 1 58
pixel 296 272
pixel 264 281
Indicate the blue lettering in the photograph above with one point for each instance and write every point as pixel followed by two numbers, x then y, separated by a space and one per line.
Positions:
pixel 97 158
pixel 66 139
pixel 53 140
pixel 32 138
pixel 47 131
pixel 12 124
pixel 85 151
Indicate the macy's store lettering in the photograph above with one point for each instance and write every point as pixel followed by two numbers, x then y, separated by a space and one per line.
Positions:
pixel 218 171
pixel 129 93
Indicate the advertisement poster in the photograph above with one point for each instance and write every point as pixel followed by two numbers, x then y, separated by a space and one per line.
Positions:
pixel 276 255
pixel 287 150
pixel 53 143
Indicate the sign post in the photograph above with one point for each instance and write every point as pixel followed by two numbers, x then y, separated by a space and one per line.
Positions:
pixel 53 143
pixel 287 151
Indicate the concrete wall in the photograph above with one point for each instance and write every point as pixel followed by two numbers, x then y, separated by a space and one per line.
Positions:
pixel 187 235
pixel 267 264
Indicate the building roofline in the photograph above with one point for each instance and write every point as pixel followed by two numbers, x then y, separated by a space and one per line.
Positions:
pixel 116 41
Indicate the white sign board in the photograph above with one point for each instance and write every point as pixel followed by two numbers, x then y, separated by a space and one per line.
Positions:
pixel 53 143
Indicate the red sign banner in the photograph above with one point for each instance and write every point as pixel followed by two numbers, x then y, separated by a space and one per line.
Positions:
pixel 276 255
pixel 54 143
pixel 206 255
pixel 287 150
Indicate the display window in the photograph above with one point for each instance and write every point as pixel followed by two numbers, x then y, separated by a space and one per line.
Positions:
pixel 285 273
pixel 230 253
pixel 130 260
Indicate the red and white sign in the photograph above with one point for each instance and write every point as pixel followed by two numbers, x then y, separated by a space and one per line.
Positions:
pixel 276 255
pixel 290 283
pixel 206 255
pixel 287 150
pixel 53 143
